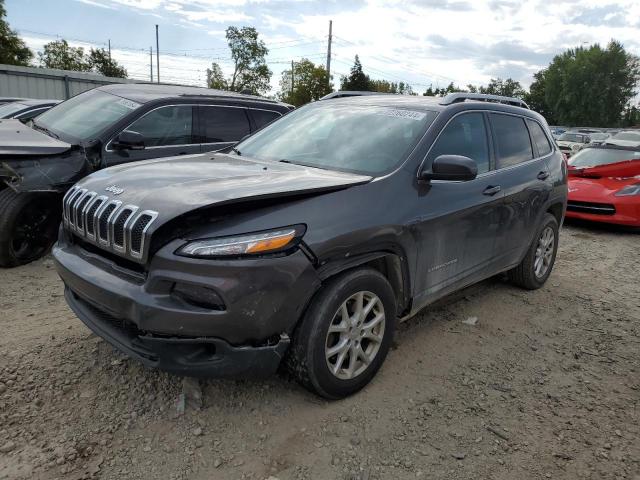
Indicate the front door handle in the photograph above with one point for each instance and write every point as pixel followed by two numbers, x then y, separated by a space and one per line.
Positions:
pixel 491 190
pixel 543 175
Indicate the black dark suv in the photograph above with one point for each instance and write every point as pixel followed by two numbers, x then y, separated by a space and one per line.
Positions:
pixel 107 126
pixel 314 237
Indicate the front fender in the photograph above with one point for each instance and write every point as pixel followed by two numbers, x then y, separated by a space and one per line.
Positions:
pixel 45 174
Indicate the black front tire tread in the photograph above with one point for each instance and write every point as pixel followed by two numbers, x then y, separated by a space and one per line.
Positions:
pixel 11 202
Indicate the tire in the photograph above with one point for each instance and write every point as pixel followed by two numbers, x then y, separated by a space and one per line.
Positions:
pixel 528 274
pixel 28 225
pixel 307 359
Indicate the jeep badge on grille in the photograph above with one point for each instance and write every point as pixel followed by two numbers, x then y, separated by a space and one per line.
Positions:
pixel 116 190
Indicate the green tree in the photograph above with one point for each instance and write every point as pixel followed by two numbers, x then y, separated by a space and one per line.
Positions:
pixel 590 86
pixel 309 83
pixel 101 62
pixel 215 78
pixel 13 50
pixel 535 98
pixel 357 79
pixel 60 55
pixel 507 88
pixel 250 71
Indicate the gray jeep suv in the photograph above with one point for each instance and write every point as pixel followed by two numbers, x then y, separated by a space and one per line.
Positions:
pixel 314 236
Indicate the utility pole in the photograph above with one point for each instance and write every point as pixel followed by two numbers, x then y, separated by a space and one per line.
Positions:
pixel 157 55
pixel 329 53
pixel 151 64
pixel 109 50
pixel 291 78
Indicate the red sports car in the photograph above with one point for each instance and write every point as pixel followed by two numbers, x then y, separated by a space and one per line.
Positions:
pixel 604 185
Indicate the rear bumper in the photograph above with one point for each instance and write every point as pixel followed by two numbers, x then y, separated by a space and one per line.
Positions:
pixel 199 357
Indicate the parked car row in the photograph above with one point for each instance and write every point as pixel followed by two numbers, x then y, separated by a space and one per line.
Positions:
pixel 572 141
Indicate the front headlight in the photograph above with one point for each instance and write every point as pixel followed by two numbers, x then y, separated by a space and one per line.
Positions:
pixel 575 146
pixel 629 190
pixel 271 241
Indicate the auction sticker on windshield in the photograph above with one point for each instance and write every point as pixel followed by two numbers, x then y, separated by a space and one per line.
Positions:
pixel 131 105
pixel 400 113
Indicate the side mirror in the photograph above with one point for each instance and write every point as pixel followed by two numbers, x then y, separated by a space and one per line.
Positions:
pixel 128 140
pixel 451 167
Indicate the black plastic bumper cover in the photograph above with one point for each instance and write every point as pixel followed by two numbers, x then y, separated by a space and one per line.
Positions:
pixel 198 357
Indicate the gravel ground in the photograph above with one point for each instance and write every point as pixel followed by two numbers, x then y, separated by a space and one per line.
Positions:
pixel 544 385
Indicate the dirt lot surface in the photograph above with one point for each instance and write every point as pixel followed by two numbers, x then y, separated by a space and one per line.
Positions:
pixel 546 384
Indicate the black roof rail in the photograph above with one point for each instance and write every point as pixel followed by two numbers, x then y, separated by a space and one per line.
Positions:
pixel 482 97
pixel 351 93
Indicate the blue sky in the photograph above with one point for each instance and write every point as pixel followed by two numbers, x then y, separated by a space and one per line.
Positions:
pixel 422 42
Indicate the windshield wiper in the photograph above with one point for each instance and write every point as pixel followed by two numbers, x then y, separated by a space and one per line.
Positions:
pixel 45 130
pixel 236 151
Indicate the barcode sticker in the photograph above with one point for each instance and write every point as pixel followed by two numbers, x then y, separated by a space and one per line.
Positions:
pixel 130 104
pixel 401 113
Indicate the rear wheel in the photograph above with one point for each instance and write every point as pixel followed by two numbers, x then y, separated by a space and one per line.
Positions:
pixel 28 225
pixel 537 264
pixel 345 334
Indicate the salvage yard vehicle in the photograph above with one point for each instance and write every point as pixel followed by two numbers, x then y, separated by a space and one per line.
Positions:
pixel 604 185
pixel 107 126
pixel 25 110
pixel 312 238
pixel 571 142
pixel 625 138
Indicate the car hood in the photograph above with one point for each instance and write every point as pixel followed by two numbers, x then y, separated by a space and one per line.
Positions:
pixel 622 143
pixel 625 169
pixel 599 183
pixel 19 139
pixel 177 185
pixel 566 143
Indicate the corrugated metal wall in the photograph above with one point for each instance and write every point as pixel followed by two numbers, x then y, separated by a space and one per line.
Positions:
pixel 29 82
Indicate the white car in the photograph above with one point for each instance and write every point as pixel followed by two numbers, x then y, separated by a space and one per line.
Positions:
pixel 572 142
pixel 626 138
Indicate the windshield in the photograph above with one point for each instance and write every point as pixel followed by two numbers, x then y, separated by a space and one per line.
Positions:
pixel 86 115
pixel 8 109
pixel 634 137
pixel 362 139
pixel 571 137
pixel 593 157
pixel 599 136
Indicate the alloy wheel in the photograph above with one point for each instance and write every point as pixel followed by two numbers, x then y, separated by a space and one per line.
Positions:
pixel 355 335
pixel 544 252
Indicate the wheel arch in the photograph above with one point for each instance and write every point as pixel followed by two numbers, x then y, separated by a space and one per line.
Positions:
pixel 393 266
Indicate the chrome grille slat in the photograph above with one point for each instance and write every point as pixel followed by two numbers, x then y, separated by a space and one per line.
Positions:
pixel 107 223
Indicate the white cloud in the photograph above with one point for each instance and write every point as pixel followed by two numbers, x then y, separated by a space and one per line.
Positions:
pixel 419 41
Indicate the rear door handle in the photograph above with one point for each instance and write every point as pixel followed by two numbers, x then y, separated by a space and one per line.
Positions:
pixel 491 190
pixel 543 175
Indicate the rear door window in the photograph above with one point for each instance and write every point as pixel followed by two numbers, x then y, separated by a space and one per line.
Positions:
pixel 223 124
pixel 513 145
pixel 166 126
pixel 465 135
pixel 539 138
pixel 263 117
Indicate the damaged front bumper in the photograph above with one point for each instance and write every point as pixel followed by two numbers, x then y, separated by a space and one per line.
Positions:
pixel 198 357
pixel 241 328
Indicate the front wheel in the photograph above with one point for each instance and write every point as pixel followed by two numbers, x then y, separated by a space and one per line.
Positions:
pixel 28 225
pixel 345 335
pixel 537 264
